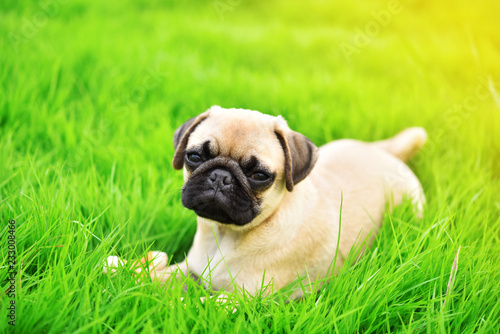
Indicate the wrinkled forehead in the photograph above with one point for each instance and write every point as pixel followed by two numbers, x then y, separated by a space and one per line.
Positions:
pixel 239 136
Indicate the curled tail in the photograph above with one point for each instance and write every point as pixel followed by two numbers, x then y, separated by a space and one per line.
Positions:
pixel 405 144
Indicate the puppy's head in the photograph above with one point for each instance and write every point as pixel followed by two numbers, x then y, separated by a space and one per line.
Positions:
pixel 238 164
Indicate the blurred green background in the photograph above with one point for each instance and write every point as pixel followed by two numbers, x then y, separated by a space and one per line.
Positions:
pixel 92 91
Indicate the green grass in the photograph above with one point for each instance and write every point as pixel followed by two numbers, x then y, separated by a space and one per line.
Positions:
pixel 86 136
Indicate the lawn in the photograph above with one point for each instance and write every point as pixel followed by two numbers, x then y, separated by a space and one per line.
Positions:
pixel 91 93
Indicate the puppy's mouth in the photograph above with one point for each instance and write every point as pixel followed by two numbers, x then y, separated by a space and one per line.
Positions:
pixel 217 195
pixel 215 211
pixel 216 206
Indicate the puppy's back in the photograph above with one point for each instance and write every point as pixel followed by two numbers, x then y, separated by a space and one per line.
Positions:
pixel 369 178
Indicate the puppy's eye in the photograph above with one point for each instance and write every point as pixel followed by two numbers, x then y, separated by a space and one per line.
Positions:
pixel 194 158
pixel 259 176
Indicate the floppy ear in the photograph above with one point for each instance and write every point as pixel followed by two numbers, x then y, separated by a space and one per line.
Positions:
pixel 181 137
pixel 300 156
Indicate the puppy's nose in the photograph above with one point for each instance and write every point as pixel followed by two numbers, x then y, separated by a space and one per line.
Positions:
pixel 221 178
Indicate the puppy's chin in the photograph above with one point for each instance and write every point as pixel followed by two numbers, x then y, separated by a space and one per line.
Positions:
pixel 226 207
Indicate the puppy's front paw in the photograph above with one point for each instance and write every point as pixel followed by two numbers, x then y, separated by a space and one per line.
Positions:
pixel 153 261
pixel 111 263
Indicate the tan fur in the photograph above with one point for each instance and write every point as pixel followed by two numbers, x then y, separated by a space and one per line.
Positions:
pixel 297 230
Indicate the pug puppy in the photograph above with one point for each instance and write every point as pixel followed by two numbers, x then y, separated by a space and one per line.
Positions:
pixel 273 207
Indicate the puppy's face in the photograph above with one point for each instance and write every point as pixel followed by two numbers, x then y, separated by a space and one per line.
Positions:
pixel 238 164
